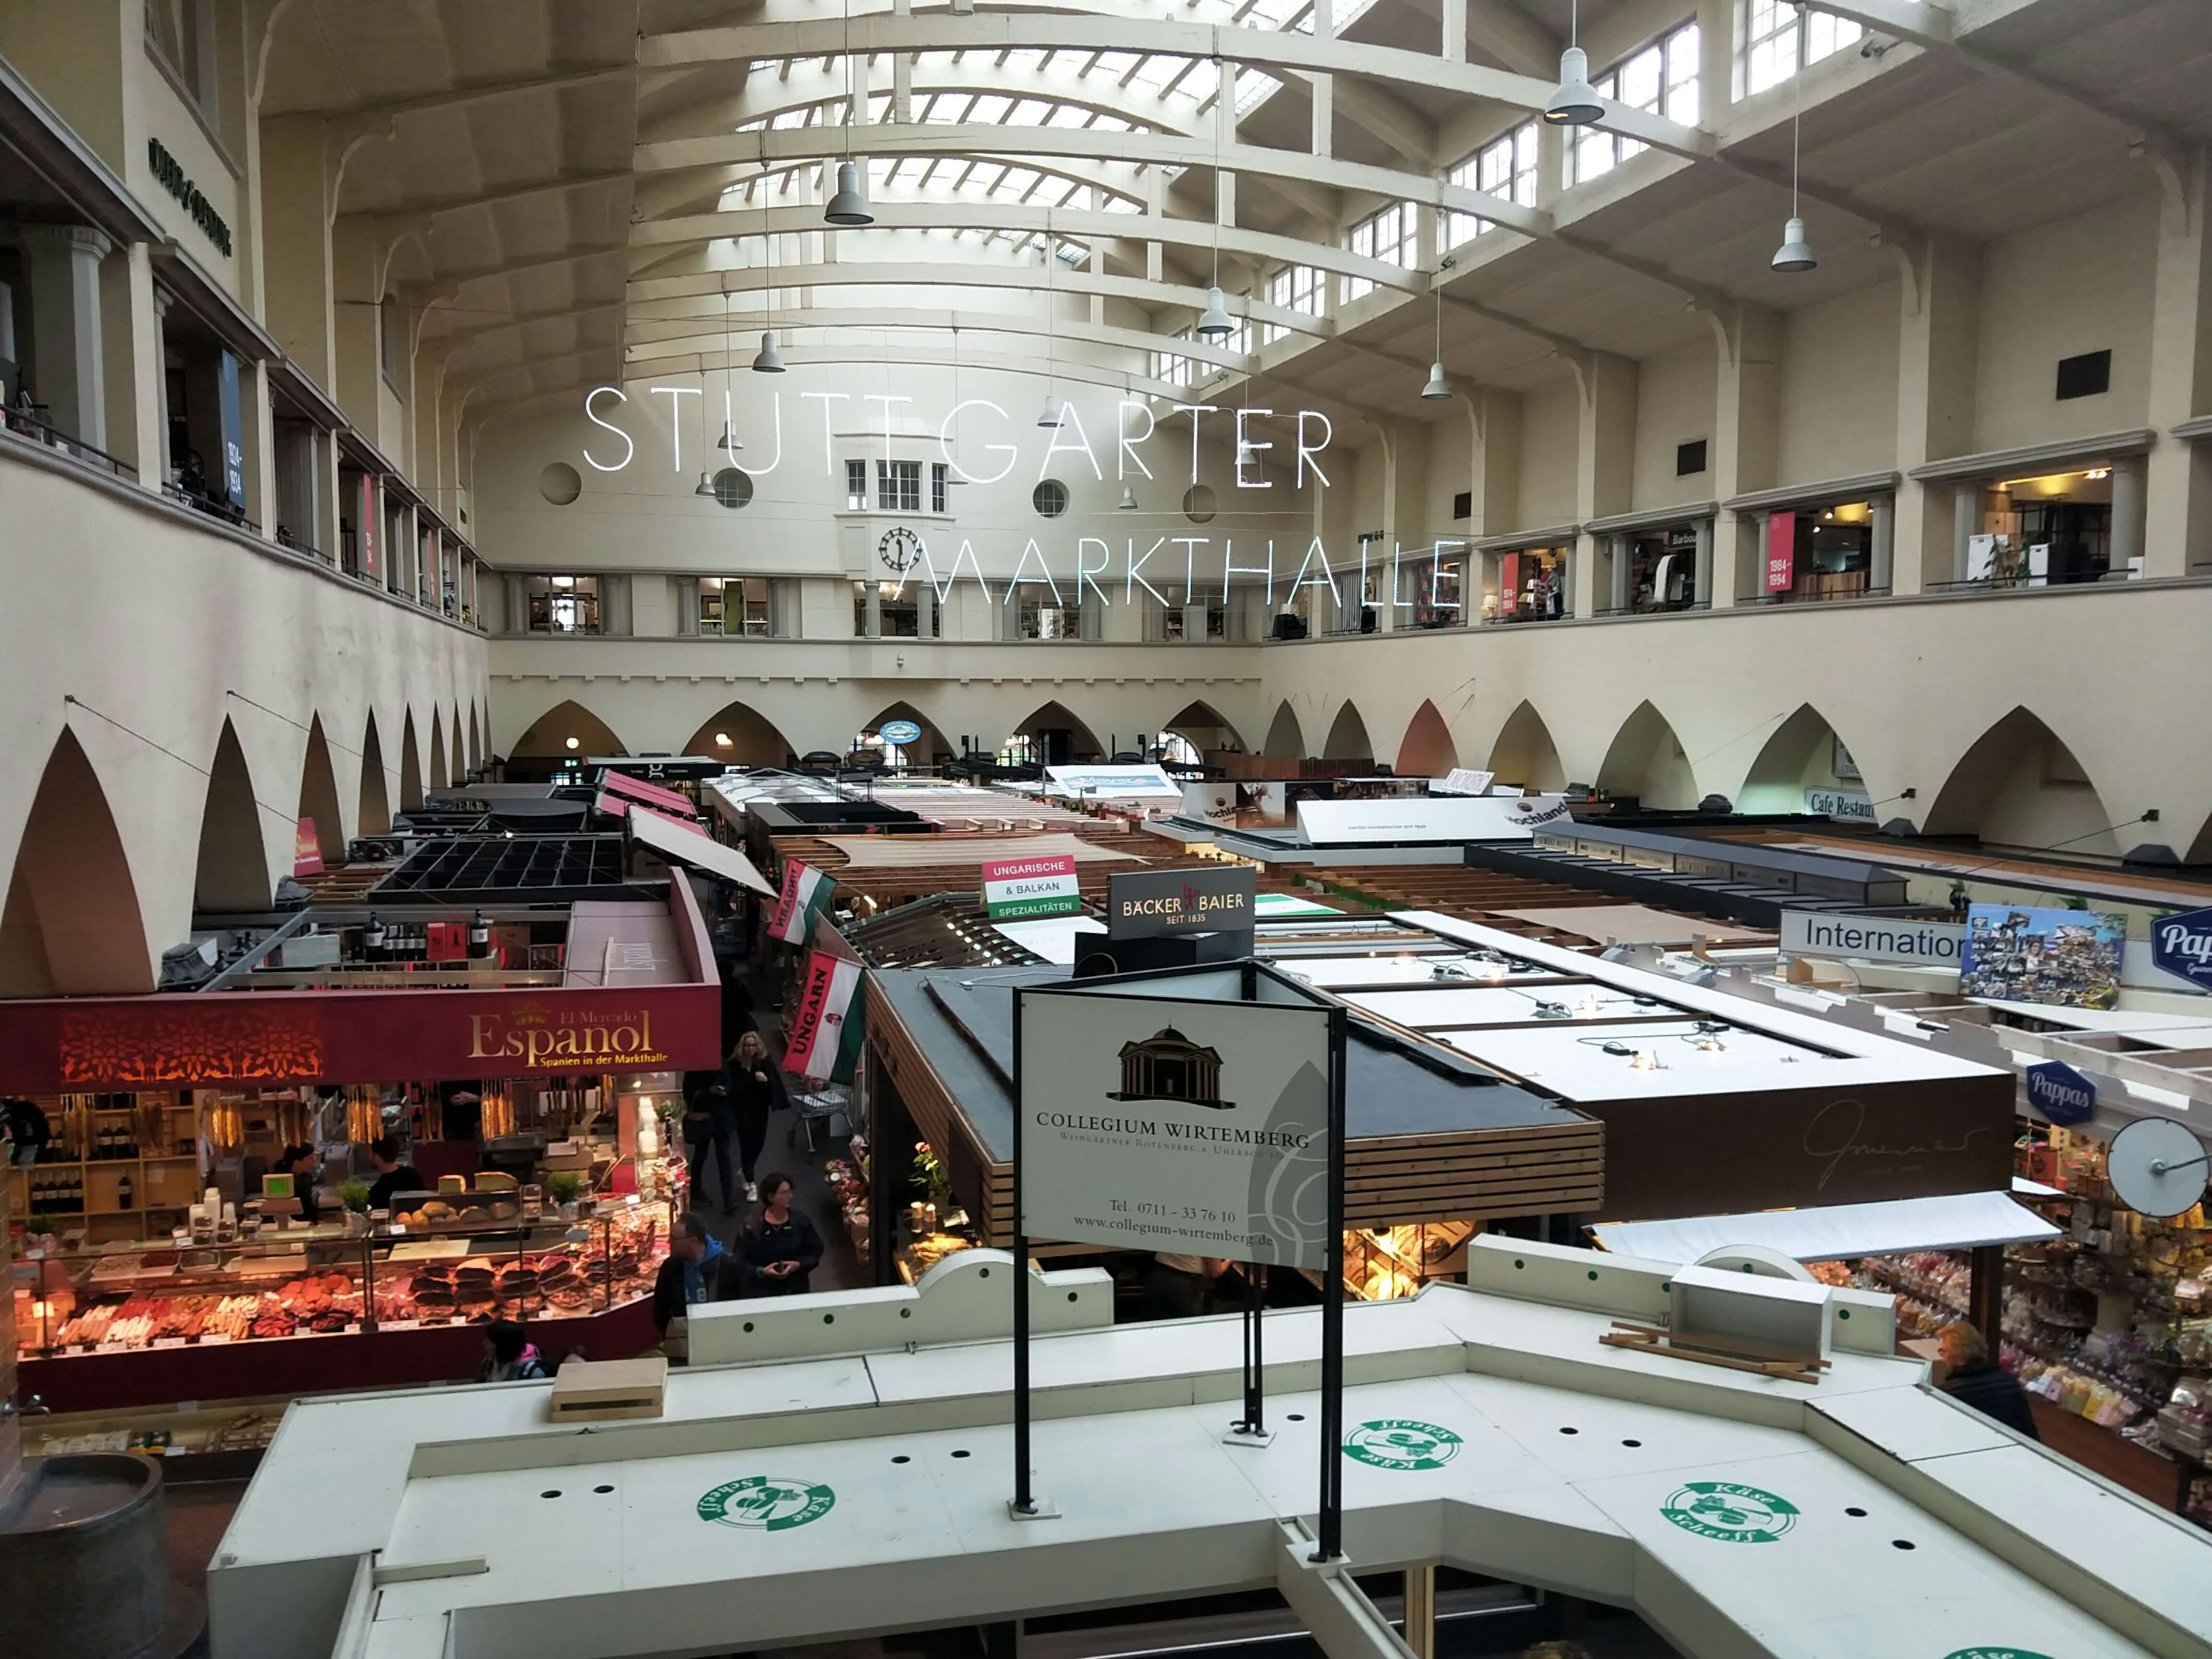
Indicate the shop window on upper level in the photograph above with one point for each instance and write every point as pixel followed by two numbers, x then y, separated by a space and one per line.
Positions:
pixel 182 35
pixel 562 603
pixel 898 486
pixel 856 486
pixel 734 605
pixel 1391 235
pixel 1776 39
pixel 1301 288
pixel 1662 80
pixel 1506 167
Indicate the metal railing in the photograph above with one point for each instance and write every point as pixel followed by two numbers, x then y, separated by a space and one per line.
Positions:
pixel 221 511
pixel 26 421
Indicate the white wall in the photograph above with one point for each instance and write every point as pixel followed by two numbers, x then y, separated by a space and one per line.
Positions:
pixel 1674 397
pixel 1550 432
pixel 1840 388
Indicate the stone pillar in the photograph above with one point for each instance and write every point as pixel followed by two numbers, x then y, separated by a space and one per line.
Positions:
pixel 1702 570
pixel 1883 558
pixel 1747 416
pixel 2179 484
pixel 130 345
pixel 687 605
pixel 925 608
pixel 324 532
pixel 1617 595
pixel 257 435
pixel 872 599
pixel 1194 622
pixel 1939 350
pixel 68 368
pixel 2130 510
pixel 1605 473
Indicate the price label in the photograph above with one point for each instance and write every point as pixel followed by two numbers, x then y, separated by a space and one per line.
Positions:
pixel 112 1347
pixel 214 1336
pixel 168 1341
pixel 400 1324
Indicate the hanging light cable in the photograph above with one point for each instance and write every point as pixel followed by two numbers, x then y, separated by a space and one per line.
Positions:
pixel 767 360
pixel 730 439
pixel 1437 388
pixel 849 206
pixel 1795 253
pixel 707 475
pixel 1574 102
pixel 1050 415
pixel 1213 323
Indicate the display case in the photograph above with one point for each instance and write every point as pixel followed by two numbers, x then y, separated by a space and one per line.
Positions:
pixel 1384 1262
pixel 317 1282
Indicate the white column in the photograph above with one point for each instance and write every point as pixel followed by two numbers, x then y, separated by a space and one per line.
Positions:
pixel 1617 553
pixel 2179 508
pixel 872 624
pixel 1702 571
pixel 70 372
pixel 1966 523
pixel 1939 350
pixel 1194 622
pixel 2131 506
pixel 1744 452
pixel 925 608
pixel 164 462
pixel 1884 555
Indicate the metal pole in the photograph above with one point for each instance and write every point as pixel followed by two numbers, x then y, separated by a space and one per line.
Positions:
pixel 1332 1311
pixel 1255 1304
pixel 1025 1500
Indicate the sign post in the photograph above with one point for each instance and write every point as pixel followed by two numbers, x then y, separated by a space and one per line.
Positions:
pixel 1199 1111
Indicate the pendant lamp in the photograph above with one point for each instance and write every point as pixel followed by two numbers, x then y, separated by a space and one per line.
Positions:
pixel 849 206
pixel 1795 253
pixel 1574 102
pixel 1128 498
pixel 1049 416
pixel 729 439
pixel 1437 388
pixel 706 484
pixel 767 360
pixel 1214 322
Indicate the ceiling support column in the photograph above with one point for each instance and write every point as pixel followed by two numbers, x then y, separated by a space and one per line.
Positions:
pixel 1746 417
pixel 1939 337
pixel 2179 529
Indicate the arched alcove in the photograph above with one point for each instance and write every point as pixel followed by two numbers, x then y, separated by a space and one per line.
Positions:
pixel 1802 753
pixel 1201 725
pixel 549 735
pixel 457 773
pixel 475 738
pixel 1056 737
pixel 71 925
pixel 442 776
pixel 741 736
pixel 318 795
pixel 922 752
pixel 2020 786
pixel 410 765
pixel 1524 754
pixel 1427 750
pixel 374 816
pixel 1286 739
pixel 1347 737
pixel 1647 762
pixel 233 873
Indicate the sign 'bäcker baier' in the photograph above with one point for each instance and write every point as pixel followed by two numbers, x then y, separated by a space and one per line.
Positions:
pixel 1155 1123
pixel 1151 902
pixel 2181 945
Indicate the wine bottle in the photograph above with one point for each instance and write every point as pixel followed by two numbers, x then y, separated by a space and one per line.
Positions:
pixel 373 941
pixel 122 1190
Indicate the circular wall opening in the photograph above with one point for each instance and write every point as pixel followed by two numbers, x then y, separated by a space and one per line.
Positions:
pixel 1200 504
pixel 732 488
pixel 1049 498
pixel 560 483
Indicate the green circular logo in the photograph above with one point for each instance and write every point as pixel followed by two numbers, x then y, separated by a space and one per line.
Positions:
pixel 766 1501
pixel 1397 1442
pixel 1733 1514
pixel 1995 1653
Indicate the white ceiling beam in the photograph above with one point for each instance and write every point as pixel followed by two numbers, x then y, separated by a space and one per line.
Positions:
pixel 700 333
pixel 1908 19
pixel 1071 372
pixel 1266 48
pixel 648 291
pixel 413 212
pixel 1169 149
pixel 486 93
pixel 1077 226
pixel 460 339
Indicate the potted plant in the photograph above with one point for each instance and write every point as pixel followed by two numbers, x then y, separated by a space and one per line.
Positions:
pixel 354 1195
pixel 562 1187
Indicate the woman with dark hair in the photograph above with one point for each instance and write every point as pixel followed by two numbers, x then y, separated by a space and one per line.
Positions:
pixel 757 1089
pixel 781 1249
pixel 509 1355
pixel 301 1163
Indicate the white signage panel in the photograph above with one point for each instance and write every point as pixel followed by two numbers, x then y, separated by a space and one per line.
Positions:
pixel 1872 938
pixel 1120 783
pixel 1850 805
pixel 1195 1128
pixel 1429 818
pixel 1463 781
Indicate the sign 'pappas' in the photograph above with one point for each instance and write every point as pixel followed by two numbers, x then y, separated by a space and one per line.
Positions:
pixel 1045 886
pixel 827 1030
pixel 2181 945
pixel 1195 1128
pixel 1150 902
pixel 2062 1094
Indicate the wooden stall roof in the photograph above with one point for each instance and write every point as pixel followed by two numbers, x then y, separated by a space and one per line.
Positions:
pixel 1489 897
pixel 1428 1139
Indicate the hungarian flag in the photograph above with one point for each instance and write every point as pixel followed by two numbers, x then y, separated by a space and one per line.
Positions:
pixel 806 893
pixel 826 1032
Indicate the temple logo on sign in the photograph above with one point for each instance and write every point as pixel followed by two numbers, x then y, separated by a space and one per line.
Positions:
pixel 1168 1065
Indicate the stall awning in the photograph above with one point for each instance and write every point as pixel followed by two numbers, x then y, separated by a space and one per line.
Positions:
pixel 685 845
pixel 1836 1232
pixel 664 800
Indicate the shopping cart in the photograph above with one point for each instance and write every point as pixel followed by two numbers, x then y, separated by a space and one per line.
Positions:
pixel 821 1113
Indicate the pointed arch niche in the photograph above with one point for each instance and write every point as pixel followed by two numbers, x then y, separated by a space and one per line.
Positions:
pixel 232 870
pixel 1646 761
pixel 72 926
pixel 2020 786
pixel 741 736
pixel 1524 754
pixel 1802 753
pixel 1427 750
pixel 566 732
pixel 1201 725
pixel 922 752
pixel 1056 737
pixel 1286 739
pixel 410 765
pixel 318 795
pixel 442 776
pixel 1347 737
pixel 374 816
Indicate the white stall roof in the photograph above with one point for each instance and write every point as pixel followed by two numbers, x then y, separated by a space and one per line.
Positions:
pixel 679 842
pixel 1053 938
pixel 1836 1232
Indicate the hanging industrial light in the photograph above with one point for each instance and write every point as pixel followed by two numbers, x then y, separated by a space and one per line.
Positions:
pixel 1215 321
pixel 1795 253
pixel 1438 388
pixel 1574 102
pixel 1054 409
pixel 767 360
pixel 730 440
pixel 849 206
pixel 1128 498
pixel 706 484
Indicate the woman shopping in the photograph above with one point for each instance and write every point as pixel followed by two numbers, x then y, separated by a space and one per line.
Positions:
pixel 757 1089
pixel 782 1248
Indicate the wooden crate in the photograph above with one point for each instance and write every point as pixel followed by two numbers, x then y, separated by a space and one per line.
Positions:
pixel 598 1391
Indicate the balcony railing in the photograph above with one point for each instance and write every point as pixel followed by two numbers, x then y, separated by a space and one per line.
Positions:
pixel 221 511
pixel 28 420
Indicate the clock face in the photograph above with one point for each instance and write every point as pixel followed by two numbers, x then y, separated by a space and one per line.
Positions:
pixel 899 549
